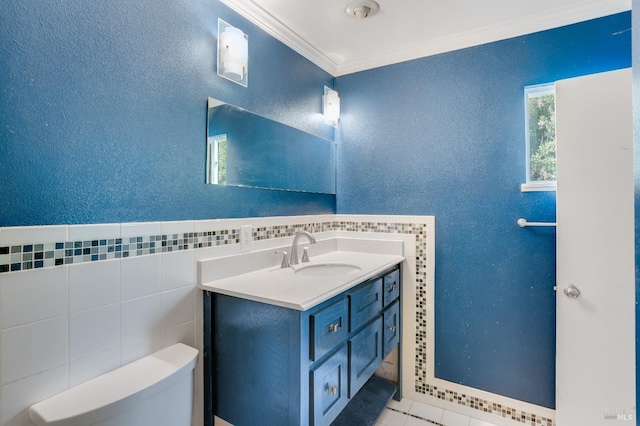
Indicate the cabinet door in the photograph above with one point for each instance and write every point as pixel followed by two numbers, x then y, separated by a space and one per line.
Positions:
pixel 391 287
pixel 328 329
pixel 365 355
pixel 390 328
pixel 329 387
pixel 364 304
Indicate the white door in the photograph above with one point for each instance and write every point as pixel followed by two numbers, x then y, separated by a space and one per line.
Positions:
pixel 595 332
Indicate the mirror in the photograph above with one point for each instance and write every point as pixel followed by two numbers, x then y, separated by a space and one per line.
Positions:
pixel 247 150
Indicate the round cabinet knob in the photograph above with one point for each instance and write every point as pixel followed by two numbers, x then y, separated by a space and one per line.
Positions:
pixel 571 292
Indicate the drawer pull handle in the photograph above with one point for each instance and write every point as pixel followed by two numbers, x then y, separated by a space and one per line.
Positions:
pixel 333 328
pixel 392 328
pixel 333 390
pixel 392 287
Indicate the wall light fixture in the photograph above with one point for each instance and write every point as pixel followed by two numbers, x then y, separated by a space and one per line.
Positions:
pixel 331 106
pixel 233 54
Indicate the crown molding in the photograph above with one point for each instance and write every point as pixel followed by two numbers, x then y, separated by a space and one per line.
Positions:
pixel 275 28
pixel 531 24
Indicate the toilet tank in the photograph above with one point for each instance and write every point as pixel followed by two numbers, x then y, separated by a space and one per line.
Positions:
pixel 155 390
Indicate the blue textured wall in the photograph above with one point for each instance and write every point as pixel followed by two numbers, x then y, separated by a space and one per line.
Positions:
pixel 103 111
pixel 444 135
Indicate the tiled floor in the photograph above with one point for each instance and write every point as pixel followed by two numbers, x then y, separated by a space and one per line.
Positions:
pixel 413 413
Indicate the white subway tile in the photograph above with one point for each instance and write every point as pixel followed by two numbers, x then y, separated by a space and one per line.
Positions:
pixel 235 223
pixel 476 422
pixel 204 254
pixel 179 227
pixel 93 365
pixel 430 400
pixel 367 245
pixel 139 229
pixel 230 249
pixel 403 405
pixel 491 418
pixel 33 348
pixel 140 347
pixel 426 411
pixel 94 284
pixel 412 421
pixel 431 220
pixel 184 333
pixel 33 295
pixel 409 246
pixel 177 306
pixel 431 240
pixel 177 269
pixel 139 276
pixel 392 418
pixel 324 218
pixel 208 225
pixel 20 235
pixel 450 418
pixel 17 397
pixel 140 317
pixel 93 330
pixel 98 231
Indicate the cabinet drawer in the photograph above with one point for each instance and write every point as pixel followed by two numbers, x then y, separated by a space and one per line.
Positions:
pixel 365 304
pixel 329 387
pixel 390 328
pixel 391 287
pixel 365 355
pixel 328 329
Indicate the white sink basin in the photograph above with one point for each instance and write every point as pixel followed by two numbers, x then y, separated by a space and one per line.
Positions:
pixel 327 269
pixel 259 276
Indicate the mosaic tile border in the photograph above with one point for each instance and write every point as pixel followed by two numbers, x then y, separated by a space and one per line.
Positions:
pixel 34 256
pixel 25 257
pixel 489 407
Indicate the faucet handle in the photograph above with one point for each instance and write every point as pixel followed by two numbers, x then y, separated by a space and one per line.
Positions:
pixel 285 261
pixel 305 255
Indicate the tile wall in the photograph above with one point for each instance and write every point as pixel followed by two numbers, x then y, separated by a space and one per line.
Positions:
pixel 77 301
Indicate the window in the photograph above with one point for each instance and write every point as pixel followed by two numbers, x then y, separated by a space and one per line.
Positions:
pixel 217 159
pixel 540 125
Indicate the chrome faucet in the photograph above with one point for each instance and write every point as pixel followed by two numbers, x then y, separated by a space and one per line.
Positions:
pixel 294 246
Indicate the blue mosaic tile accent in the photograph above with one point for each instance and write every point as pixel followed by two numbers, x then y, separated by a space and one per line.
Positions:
pixel 44 255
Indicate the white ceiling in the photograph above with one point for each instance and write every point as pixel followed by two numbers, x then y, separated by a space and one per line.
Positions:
pixel 321 31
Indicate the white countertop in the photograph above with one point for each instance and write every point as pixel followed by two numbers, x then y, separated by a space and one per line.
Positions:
pixel 284 287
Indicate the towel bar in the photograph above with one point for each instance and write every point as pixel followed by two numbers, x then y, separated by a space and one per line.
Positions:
pixel 523 222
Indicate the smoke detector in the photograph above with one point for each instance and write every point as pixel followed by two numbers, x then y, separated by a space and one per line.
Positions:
pixel 362 9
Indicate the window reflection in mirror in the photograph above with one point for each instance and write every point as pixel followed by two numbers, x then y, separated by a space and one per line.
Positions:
pixel 217 157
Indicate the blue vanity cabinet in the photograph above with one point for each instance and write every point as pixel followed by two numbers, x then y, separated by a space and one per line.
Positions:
pixel 329 387
pixel 390 328
pixel 365 355
pixel 329 328
pixel 391 287
pixel 364 304
pixel 270 365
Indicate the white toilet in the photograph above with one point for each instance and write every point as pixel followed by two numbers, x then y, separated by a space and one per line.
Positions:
pixel 155 390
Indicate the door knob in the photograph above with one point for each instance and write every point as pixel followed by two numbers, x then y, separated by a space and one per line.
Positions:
pixel 571 292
